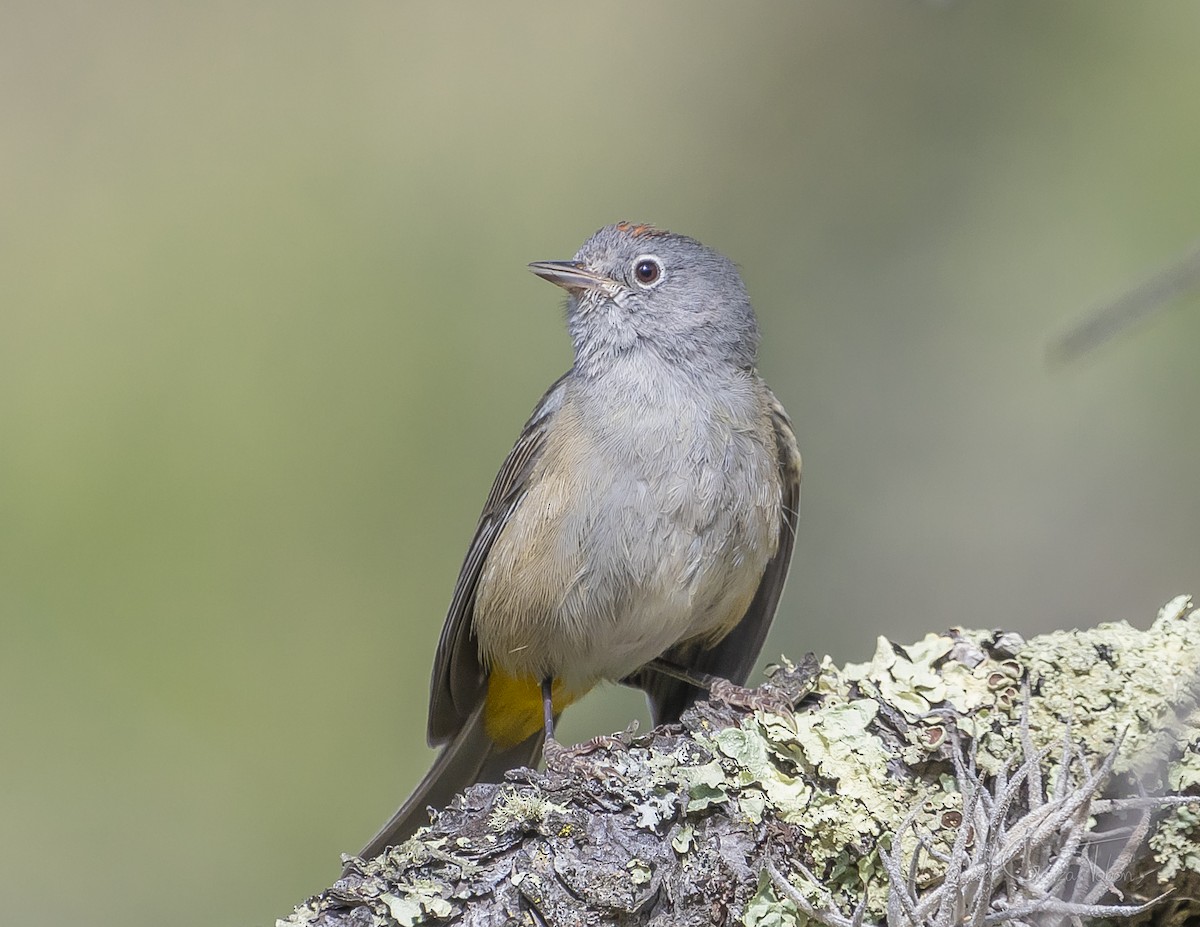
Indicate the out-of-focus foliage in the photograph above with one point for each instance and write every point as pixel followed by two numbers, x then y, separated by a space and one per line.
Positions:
pixel 266 333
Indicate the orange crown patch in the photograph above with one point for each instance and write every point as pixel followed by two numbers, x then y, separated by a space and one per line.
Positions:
pixel 638 231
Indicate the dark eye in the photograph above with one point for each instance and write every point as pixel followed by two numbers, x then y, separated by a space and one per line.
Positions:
pixel 647 270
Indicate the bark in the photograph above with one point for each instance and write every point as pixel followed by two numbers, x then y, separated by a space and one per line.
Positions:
pixel 971 777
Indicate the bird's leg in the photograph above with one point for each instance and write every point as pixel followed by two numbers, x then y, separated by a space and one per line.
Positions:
pixel 548 707
pixel 555 754
pixel 560 758
pixel 722 690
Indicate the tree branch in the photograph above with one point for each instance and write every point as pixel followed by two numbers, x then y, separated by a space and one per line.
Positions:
pixel 969 778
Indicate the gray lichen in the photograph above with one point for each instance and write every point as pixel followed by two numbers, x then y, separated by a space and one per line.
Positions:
pixel 867 797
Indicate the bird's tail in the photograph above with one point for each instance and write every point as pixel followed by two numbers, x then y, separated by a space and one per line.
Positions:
pixel 470 757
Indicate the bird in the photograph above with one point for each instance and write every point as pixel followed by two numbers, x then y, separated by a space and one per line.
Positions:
pixel 639 531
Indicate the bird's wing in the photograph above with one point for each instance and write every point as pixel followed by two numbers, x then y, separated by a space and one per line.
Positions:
pixel 734 655
pixel 459 682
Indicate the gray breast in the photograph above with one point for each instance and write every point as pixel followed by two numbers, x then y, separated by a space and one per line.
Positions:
pixel 649 520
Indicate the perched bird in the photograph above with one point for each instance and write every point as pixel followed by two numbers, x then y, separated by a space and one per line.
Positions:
pixel 639 531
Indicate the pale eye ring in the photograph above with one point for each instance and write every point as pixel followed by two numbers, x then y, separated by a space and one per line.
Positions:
pixel 647 271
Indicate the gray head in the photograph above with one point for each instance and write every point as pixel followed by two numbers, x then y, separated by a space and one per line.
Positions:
pixel 637 288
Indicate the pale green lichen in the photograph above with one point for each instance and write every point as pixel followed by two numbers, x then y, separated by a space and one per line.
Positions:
pixel 827 771
pixel 755 766
pixel 705 785
pixel 766 909
pixel 1176 844
pixel 845 820
pixel 752 803
pixel 1176 841
pixel 1113 681
pixel 522 808
pixel 1184 774
pixel 907 681
pixel 684 839
pixel 639 872
pixel 420 901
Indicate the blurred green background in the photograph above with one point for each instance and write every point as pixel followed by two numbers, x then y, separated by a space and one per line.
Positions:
pixel 266 333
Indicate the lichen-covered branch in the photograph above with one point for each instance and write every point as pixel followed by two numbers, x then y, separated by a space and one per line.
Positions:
pixel 969 778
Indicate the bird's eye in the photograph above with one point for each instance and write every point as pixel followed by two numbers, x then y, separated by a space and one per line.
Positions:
pixel 647 271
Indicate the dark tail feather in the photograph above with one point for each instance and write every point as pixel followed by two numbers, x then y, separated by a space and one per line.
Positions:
pixel 470 757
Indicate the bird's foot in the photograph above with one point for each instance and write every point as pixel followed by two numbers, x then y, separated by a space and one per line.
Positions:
pixel 560 758
pixel 765 698
pixel 563 761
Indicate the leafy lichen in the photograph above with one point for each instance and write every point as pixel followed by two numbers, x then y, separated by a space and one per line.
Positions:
pixel 832 772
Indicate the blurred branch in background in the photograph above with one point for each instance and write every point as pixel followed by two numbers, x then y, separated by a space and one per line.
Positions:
pixel 1133 306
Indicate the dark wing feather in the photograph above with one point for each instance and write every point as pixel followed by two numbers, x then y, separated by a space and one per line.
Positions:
pixel 734 656
pixel 458 681
pixel 469 757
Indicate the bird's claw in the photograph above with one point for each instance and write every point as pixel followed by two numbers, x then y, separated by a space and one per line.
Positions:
pixel 766 698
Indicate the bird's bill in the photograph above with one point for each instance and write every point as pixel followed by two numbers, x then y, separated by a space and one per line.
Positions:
pixel 572 275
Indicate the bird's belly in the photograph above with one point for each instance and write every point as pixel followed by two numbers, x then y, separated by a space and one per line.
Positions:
pixel 591 580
